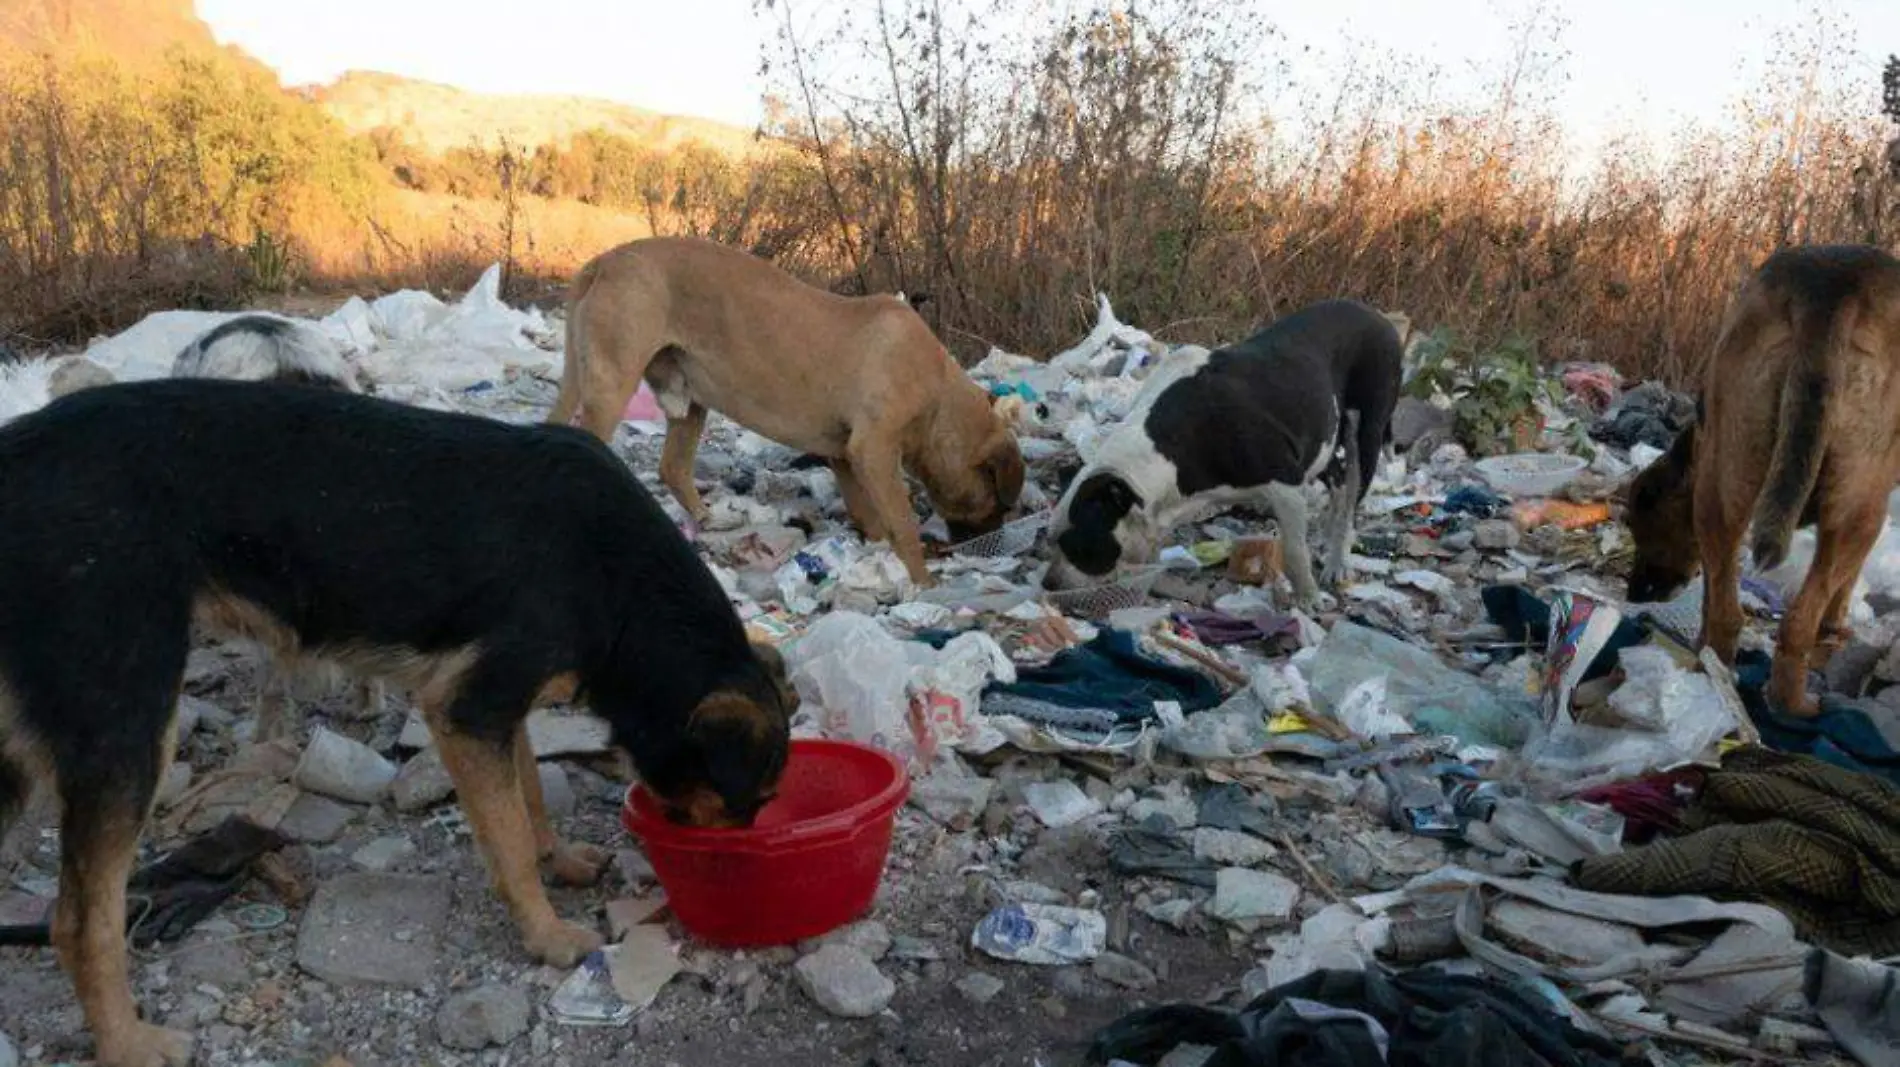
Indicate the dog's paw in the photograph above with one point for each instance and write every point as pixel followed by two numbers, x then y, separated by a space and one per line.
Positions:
pixel 576 863
pixel 1316 603
pixel 144 1045
pixel 563 945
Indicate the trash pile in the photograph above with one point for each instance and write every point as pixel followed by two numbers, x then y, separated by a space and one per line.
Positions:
pixel 1484 811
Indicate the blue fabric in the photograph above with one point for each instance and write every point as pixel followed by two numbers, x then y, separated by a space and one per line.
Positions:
pixel 1474 500
pixel 1110 673
pixel 1842 734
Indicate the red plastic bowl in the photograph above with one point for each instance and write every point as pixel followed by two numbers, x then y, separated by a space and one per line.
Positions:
pixel 808 865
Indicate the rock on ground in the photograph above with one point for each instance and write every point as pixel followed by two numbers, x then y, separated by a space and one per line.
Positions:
pixel 315 820
pixel 844 982
pixel 478 1018
pixel 1242 895
pixel 955 802
pixel 422 782
pixel 870 937
pixel 374 929
pixel 1120 970
pixel 557 792
pixel 384 853
pixel 1496 535
pixel 980 988
pixel 1231 848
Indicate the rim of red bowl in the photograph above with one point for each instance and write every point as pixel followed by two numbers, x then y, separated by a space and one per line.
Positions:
pixel 839 825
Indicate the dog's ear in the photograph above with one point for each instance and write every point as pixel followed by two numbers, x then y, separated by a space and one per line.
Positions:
pixel 1119 495
pixel 1004 468
pixel 775 670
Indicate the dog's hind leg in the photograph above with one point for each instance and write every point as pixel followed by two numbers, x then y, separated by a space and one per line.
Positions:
pixel 571 862
pixel 676 460
pixel 368 698
pixel 106 784
pixel 1847 532
pixel 1288 504
pixel 609 373
pixel 1342 506
pixel 488 782
pixel 276 699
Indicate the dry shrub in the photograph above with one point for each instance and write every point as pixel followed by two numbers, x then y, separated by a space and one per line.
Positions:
pixel 1012 176
pixel 1007 165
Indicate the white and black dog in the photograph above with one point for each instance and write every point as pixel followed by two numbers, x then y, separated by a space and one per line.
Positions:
pixel 267 348
pixel 1307 399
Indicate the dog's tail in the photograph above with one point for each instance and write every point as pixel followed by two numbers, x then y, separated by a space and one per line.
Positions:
pixel 1821 331
pixel 574 355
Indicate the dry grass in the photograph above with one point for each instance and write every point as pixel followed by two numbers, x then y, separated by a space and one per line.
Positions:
pixel 1008 176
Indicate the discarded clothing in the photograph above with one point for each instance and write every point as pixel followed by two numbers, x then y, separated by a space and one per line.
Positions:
pixel 1474 500
pixel 168 897
pixel 1818 842
pixel 1859 1002
pixel 1595 386
pixel 1110 674
pixel 1649 414
pixel 1217 628
pixel 1156 847
pixel 1842 734
pixel 1424 1018
pixel 1084 721
pixel 1649 806
pixel 1229 806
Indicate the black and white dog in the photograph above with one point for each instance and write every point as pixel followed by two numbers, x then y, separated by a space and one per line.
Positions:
pixel 1307 399
pixel 267 348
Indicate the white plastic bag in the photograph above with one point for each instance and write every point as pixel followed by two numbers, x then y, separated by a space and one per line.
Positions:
pixel 901 696
pixel 407 314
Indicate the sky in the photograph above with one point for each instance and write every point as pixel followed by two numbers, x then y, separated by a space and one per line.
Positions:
pixel 1635 65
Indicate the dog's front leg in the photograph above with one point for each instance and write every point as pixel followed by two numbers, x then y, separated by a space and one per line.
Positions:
pixel 857 503
pixel 571 862
pixel 489 785
pixel 873 459
pixel 1288 505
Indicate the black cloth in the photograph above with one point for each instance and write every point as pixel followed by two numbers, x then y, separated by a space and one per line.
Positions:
pixel 1429 1019
pixel 167 898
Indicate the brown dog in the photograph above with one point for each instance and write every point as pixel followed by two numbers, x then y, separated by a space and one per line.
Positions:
pixel 1800 424
pixel 860 381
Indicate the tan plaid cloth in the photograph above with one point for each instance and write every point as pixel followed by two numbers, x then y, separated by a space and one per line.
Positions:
pixel 1819 842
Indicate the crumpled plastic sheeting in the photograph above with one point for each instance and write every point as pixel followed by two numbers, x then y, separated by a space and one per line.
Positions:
pixel 25 386
pixel 408 340
pixel 457 346
pixel 916 702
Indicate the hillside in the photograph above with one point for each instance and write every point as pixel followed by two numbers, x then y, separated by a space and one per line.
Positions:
pixel 132 32
pixel 440 117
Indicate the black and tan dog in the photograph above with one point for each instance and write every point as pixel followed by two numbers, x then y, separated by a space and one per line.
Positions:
pixel 1800 424
pixel 481 565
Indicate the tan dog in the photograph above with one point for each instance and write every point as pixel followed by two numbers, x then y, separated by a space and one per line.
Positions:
pixel 1801 424
pixel 860 381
